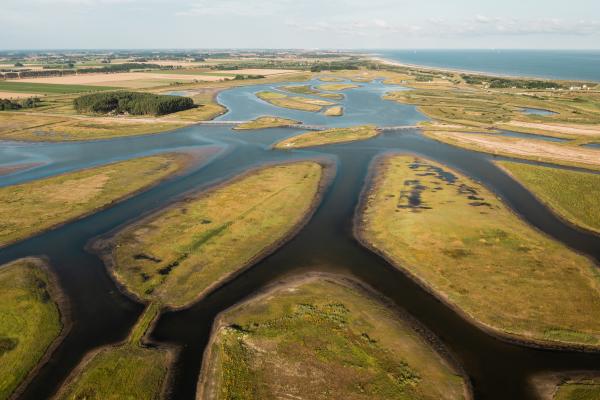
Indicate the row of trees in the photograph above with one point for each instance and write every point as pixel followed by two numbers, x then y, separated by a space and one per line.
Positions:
pixel 505 83
pixel 134 103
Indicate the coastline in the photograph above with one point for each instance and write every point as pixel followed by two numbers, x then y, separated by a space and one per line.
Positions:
pixel 103 246
pixel 387 61
pixel 360 235
pixel 290 282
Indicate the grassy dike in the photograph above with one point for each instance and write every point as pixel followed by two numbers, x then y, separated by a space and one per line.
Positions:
pixel 496 270
pixel 573 195
pixel 32 320
pixel 75 194
pixel 266 122
pixel 179 254
pixel 328 136
pixel 133 369
pixel 322 337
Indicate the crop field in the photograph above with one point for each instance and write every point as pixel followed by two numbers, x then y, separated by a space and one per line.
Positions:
pixel 24 86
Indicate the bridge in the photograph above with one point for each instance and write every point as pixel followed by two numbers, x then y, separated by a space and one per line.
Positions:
pixel 307 127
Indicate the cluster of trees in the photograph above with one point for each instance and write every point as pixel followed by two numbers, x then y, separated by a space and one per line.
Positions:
pixel 240 77
pixel 118 68
pixel 134 103
pixel 6 104
pixel 334 66
pixel 505 83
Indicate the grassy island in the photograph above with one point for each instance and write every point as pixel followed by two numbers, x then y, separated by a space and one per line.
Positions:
pixel 584 389
pixel 266 122
pixel 326 338
pixel 528 149
pixel 72 195
pixel 30 320
pixel 307 89
pixel 131 370
pixel 335 111
pixel 179 254
pixel 329 136
pixel 293 102
pixel 337 86
pixel 573 195
pixel 497 270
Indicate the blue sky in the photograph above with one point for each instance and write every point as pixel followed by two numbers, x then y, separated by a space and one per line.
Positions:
pixel 309 24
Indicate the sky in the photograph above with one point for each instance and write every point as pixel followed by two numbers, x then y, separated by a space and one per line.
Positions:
pixel 301 24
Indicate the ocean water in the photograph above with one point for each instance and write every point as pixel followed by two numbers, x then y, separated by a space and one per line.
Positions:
pixel 557 64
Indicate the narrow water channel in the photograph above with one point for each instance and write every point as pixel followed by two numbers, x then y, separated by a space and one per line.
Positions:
pixel 102 315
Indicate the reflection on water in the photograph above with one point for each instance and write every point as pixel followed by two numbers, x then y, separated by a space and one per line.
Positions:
pixel 103 315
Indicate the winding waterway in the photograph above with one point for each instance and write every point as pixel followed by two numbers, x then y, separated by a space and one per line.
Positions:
pixel 102 315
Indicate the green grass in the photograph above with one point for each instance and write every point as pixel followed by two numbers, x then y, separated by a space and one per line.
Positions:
pixel 32 207
pixel 49 88
pixel 122 372
pixel 329 136
pixel 498 270
pixel 266 122
pixel 322 339
pixel 178 254
pixel 30 320
pixel 578 390
pixel 573 195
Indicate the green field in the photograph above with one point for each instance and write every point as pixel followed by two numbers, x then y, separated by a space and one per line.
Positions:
pixel 69 196
pixel 578 390
pixel 322 338
pixel 496 269
pixel 329 136
pixel 573 195
pixel 179 254
pixel 30 320
pixel 266 122
pixel 49 88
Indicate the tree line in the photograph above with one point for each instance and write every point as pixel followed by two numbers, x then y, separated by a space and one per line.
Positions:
pixel 6 104
pixel 134 103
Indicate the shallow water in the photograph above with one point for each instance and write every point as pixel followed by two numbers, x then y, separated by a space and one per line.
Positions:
pixel 103 315
pixel 537 111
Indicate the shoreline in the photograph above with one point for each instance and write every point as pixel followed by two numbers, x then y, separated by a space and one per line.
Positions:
pixel 412 323
pixel 387 61
pixel 103 245
pixel 63 305
pixel 547 384
pixel 359 234
pixel 188 159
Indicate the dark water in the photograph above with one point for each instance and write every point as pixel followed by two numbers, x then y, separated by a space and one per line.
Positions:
pixel 558 64
pixel 103 315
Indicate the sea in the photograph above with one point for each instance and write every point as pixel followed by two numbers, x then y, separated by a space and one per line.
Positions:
pixel 583 65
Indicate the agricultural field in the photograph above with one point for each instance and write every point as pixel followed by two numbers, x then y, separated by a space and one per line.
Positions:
pixel 574 195
pixel 346 343
pixel 266 122
pixel 502 274
pixel 328 136
pixel 41 88
pixel 75 194
pixel 172 259
pixel 31 319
